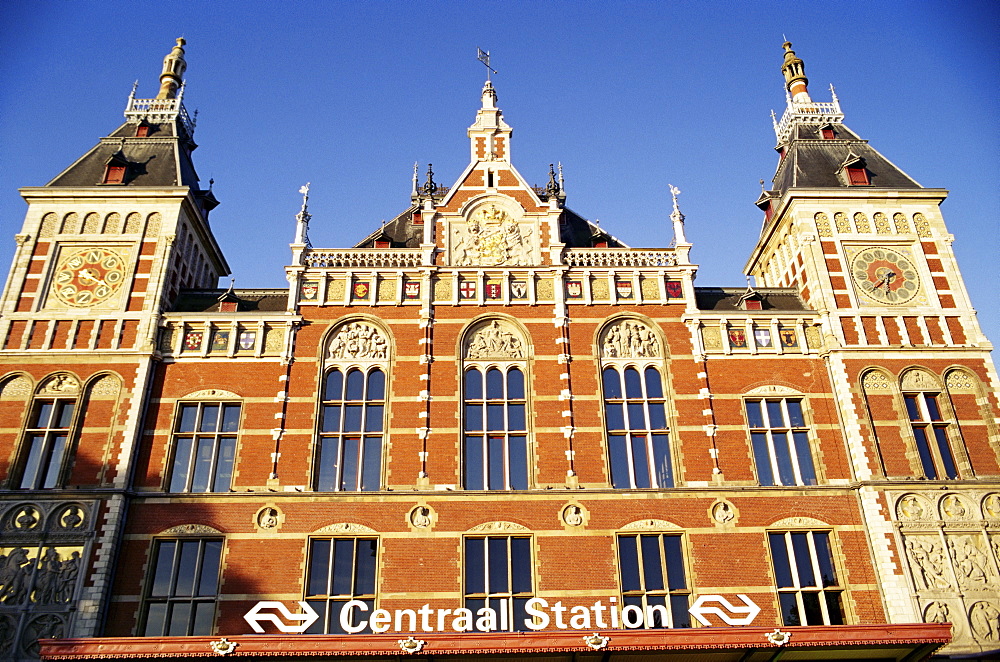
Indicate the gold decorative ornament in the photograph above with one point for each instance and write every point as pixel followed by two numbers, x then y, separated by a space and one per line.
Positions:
pixel 88 277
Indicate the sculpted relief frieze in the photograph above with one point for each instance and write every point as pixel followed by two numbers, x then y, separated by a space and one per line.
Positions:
pixel 494 340
pixel 358 340
pixel 628 340
pixel 491 236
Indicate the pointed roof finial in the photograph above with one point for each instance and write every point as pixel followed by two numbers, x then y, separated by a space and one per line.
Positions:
pixel 552 188
pixel 302 218
pixel 794 70
pixel 173 70
pixel 429 187
pixel 135 86
pixel 677 217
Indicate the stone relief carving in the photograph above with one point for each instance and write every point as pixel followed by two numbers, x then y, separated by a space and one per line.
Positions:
pixel 358 340
pixel 650 525
pixel 843 225
pixel 498 527
pixel 191 528
pixel 922 225
pixel 61 384
pixel 881 223
pixel 991 506
pixel 71 517
pixel 972 565
pixel 24 518
pixel 421 517
pixel 45 579
pixel 902 227
pixel 46 626
pixel 629 339
pixel 773 389
pixel 345 527
pixel 107 386
pixel 16 389
pixel 955 507
pixel 912 507
pixel 212 393
pixel 875 381
pixel 494 341
pixel 723 512
pixel 918 380
pixel 268 517
pixel 985 620
pixel 711 337
pixel 927 561
pixel 573 515
pixel 492 237
pixel 823 225
pixel 798 521
pixel 937 612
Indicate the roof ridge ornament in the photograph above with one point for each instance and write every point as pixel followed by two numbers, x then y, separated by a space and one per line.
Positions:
pixel 484 57
pixel 677 217
pixel 302 218
pixel 429 187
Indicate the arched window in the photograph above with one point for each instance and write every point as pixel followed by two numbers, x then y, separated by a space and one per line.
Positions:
pixel 352 411
pixel 635 411
pixel 46 448
pixel 495 409
pixel 930 421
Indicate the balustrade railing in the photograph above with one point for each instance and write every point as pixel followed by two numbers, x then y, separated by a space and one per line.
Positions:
pixel 620 257
pixel 362 257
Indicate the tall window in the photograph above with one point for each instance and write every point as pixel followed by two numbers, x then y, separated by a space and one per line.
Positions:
pixel 496 442
pixel 340 570
pixel 930 430
pixel 808 590
pixel 46 441
pixel 653 579
pixel 638 441
pixel 204 446
pixel 498 576
pixel 350 438
pixel 780 442
pixel 494 412
pixel 183 588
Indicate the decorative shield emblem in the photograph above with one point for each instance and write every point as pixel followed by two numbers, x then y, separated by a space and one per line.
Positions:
pixel 737 338
pixel 309 291
pixel 192 341
pixel 412 289
pixel 492 290
pixel 361 290
pixel 624 289
pixel 674 290
pixel 220 341
pixel 788 338
pixel 467 289
pixel 574 289
pixel 248 339
pixel 763 337
pixel 518 289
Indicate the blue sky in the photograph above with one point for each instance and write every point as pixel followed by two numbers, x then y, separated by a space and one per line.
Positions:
pixel 629 96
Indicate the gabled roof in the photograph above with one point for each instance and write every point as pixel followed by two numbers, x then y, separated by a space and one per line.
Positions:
pixel 729 298
pixel 162 158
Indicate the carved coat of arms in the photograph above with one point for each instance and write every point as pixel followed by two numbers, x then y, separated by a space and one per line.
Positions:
pixel 491 237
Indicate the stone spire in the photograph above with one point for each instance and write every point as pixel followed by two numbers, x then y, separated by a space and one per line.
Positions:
pixel 173 69
pixel 490 135
pixel 795 75
pixel 677 217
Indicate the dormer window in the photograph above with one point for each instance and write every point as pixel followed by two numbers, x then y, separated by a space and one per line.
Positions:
pixel 827 133
pixel 857 176
pixel 142 130
pixel 603 243
pixel 383 243
pixel 417 218
pixel 114 174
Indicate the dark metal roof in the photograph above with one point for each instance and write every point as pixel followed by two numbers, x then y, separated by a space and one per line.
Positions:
pixel 728 298
pixel 813 162
pixel 163 158
pixel 207 301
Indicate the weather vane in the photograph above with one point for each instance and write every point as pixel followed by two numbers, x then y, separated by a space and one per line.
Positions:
pixel 484 57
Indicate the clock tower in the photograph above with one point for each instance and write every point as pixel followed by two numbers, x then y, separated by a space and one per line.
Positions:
pixel 867 247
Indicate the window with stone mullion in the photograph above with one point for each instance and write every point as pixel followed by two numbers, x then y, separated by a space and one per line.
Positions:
pixel 204 446
pixel 495 453
pixel 183 588
pixel 780 442
pixel 498 575
pixel 636 420
pixel 46 441
pixel 653 578
pixel 930 430
pixel 339 570
pixel 350 432
pixel 808 590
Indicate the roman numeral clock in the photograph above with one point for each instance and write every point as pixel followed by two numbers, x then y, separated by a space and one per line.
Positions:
pixel 87 277
pixel 885 276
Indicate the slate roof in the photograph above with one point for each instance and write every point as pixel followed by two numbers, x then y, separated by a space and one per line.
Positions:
pixel 163 158
pixel 256 300
pixel 576 232
pixel 728 298
pixel 813 162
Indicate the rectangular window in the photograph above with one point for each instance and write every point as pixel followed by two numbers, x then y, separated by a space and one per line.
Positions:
pixel 930 431
pixel 495 422
pixel 807 583
pixel 350 436
pixel 340 570
pixel 636 420
pixel 114 174
pixel 653 581
pixel 45 443
pixel 498 576
pixel 204 446
pixel 857 176
pixel 780 442
pixel 182 588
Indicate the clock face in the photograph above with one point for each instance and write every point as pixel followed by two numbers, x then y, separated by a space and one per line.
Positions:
pixel 88 277
pixel 885 276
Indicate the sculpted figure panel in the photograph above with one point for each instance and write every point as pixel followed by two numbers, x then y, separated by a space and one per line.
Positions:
pixel 358 340
pixel 491 237
pixel 971 563
pixel 629 339
pixel 927 562
pixel 495 340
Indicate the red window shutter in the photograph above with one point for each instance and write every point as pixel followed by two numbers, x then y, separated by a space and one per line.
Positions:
pixel 382 244
pixel 114 174
pixel 417 218
pixel 600 244
pixel 828 134
pixel 768 211
pixel 141 131
pixel 857 176
pixel 752 304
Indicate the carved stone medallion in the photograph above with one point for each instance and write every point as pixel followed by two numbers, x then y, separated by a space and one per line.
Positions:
pixel 421 517
pixel 912 507
pixel 573 515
